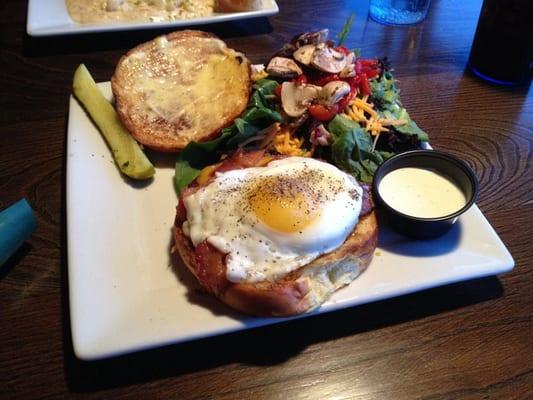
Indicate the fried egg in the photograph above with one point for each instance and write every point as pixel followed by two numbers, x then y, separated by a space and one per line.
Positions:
pixel 274 219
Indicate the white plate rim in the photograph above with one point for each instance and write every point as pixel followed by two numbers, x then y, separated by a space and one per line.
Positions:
pixel 50 18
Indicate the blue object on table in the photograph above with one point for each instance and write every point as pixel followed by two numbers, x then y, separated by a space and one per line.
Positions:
pixel 399 12
pixel 17 223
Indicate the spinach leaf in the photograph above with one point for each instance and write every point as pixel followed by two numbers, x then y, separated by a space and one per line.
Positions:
pixel 351 149
pixel 184 174
pixel 194 157
pixel 385 154
pixel 244 130
pixel 263 94
pixel 260 114
pixel 340 124
pixel 265 86
pixel 259 100
pixel 410 128
pixel 342 150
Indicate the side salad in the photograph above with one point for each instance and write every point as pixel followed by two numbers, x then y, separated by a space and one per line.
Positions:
pixel 316 98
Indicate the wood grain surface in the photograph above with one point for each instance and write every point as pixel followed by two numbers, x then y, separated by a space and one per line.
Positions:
pixel 471 340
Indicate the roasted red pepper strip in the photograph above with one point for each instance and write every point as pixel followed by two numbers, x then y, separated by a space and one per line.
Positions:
pixel 365 86
pixel 326 79
pixel 369 63
pixel 302 79
pixel 358 67
pixel 354 82
pixel 368 67
pixel 277 91
pixel 372 73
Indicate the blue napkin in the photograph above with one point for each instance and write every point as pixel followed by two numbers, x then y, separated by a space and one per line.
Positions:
pixel 17 222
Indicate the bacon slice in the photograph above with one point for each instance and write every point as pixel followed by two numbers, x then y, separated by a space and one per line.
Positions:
pixel 211 267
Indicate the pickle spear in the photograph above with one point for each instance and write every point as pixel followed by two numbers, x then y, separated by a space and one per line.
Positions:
pixel 127 153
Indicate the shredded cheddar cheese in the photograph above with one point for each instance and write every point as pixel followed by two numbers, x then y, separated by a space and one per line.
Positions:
pixel 375 126
pixel 361 111
pixel 285 143
pixel 357 114
pixel 365 106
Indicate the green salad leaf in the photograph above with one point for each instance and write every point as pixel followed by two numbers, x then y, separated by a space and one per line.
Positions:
pixel 241 131
pixel 346 154
pixel 340 124
pixel 193 158
pixel 345 30
pixel 351 149
pixel 385 94
pixel 410 127
pixel 184 173
pixel 386 97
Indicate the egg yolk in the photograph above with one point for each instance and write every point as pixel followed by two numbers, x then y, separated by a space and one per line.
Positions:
pixel 285 205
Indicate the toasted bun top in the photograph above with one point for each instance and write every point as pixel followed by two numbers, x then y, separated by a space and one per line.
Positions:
pixel 182 87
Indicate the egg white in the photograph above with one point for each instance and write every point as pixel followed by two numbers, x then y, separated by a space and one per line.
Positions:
pixel 254 251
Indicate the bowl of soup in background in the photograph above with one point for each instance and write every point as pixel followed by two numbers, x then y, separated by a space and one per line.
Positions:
pixel 424 191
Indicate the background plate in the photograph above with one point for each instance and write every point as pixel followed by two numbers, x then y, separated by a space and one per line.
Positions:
pixel 126 295
pixel 50 17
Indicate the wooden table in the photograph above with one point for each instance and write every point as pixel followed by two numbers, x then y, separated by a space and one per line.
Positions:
pixel 471 340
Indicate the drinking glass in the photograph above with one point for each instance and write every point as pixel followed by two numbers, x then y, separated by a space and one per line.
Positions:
pixel 399 12
pixel 502 51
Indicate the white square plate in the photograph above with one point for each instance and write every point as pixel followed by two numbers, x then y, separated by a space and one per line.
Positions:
pixel 50 17
pixel 126 296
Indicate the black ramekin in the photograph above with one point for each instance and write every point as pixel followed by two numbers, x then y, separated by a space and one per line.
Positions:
pixel 445 164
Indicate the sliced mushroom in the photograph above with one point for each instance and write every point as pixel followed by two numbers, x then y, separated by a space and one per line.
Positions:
pixel 310 38
pixel 350 58
pixel 282 67
pixel 333 91
pixel 304 54
pixel 328 60
pixel 286 51
pixel 348 71
pixel 296 98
